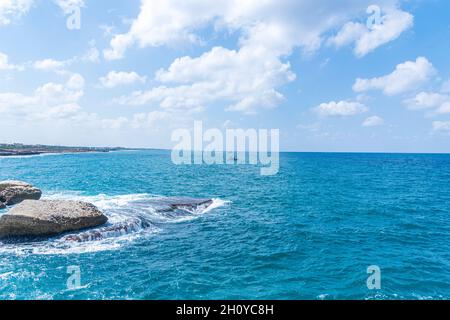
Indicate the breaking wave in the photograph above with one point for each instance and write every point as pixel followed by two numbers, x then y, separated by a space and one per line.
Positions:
pixel 130 217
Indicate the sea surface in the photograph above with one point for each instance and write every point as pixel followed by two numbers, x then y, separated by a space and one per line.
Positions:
pixel 309 232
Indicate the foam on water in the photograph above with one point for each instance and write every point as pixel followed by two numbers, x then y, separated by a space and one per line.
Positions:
pixel 130 218
pixel 33 155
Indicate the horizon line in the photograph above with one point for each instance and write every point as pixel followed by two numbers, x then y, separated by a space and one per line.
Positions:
pixel 281 151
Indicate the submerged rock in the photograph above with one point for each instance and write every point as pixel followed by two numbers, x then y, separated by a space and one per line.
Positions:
pixel 49 218
pixel 181 203
pixel 14 192
pixel 188 202
pixel 163 208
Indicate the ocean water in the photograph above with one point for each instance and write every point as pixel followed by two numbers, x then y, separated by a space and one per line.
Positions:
pixel 309 232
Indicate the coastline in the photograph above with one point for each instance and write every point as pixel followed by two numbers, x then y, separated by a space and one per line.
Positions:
pixel 14 150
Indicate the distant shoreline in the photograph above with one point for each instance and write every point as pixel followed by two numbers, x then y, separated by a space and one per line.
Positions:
pixel 11 150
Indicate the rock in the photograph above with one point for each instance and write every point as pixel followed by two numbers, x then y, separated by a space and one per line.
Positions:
pixel 188 202
pixel 181 203
pixel 14 192
pixel 49 218
pixel 2 205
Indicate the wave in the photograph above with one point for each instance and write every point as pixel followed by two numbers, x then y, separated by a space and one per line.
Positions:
pixel 130 217
pixel 33 155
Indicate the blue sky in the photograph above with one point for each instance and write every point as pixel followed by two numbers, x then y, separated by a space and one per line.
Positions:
pixel 137 70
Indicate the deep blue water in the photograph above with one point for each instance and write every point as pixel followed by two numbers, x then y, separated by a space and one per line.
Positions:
pixel 309 232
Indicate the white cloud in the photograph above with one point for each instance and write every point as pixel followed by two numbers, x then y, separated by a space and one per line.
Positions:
pixel 373 121
pixel 13 9
pixel 392 25
pixel 113 123
pixel 76 82
pixel 57 104
pixel 93 54
pixel 114 79
pixel 107 29
pixel 341 108
pixel 426 100
pixel 349 33
pixel 153 120
pixel 247 78
pixel 217 75
pixel 407 76
pixel 441 126
pixel 146 120
pixel 49 64
pixel 444 108
pixel 59 66
pixel 181 97
pixel 297 23
pixel 51 100
pixel 5 65
pixel 440 103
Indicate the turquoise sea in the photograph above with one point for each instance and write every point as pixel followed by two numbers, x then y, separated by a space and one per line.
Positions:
pixel 309 232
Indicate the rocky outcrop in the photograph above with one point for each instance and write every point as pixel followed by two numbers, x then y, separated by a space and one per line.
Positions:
pixel 49 218
pixel 192 203
pixel 14 192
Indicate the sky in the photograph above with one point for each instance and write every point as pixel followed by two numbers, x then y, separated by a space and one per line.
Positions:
pixel 332 76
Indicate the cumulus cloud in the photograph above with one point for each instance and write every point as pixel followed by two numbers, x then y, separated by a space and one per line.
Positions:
pixel 292 20
pixel 349 33
pixel 426 100
pixel 50 64
pixel 391 26
pixel 151 120
pixel 59 104
pixel 373 121
pixel 61 66
pixel 13 9
pixel 5 65
pixel 247 78
pixel 441 126
pixel 341 108
pixel 217 75
pixel 407 76
pixel 92 54
pixel 51 100
pixel 436 102
pixel 444 108
pixel 114 79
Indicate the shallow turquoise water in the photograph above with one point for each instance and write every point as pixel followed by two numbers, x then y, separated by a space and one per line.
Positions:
pixel 309 232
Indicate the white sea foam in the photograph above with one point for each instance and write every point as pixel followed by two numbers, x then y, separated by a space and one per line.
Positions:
pixel 32 155
pixel 131 217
